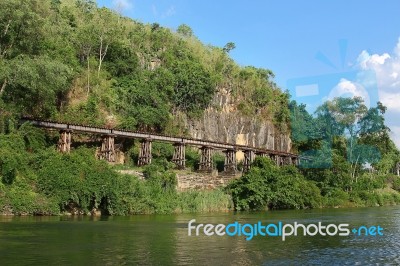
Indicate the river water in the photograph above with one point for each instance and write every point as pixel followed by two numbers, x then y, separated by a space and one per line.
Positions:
pixel 164 240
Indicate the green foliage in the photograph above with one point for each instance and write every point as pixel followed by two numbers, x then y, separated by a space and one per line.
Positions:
pixel 193 88
pixel 76 177
pixel 335 197
pixel 36 85
pixel 268 186
pixel 303 127
pixel 73 61
pixel 21 201
pixel 21 24
pixel 144 106
pixel 218 161
pixel 13 158
pixel 185 30
pixel 229 47
pixel 396 183
pixel 352 156
pixel 204 201
pixel 192 158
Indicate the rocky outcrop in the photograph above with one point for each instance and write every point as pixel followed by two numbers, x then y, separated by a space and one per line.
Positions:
pixel 223 122
pixel 198 181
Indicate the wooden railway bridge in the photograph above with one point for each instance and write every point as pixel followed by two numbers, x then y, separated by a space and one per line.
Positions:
pixel 107 150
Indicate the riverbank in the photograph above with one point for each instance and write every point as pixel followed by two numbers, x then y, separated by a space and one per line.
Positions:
pixel 22 203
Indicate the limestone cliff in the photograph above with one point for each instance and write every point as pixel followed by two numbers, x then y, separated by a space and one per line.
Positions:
pixel 223 122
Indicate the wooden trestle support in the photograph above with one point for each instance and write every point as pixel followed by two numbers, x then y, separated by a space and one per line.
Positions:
pixel 64 142
pixel 230 166
pixel 206 163
pixel 145 152
pixel 249 157
pixel 179 155
pixel 261 154
pixel 107 150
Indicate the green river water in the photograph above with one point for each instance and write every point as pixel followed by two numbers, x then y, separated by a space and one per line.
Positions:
pixel 164 240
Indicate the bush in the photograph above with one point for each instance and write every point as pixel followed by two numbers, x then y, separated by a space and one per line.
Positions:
pixel 335 198
pixel 396 183
pixel 77 177
pixel 269 186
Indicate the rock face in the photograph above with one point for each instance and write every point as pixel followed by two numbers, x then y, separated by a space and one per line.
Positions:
pixel 223 122
pixel 197 181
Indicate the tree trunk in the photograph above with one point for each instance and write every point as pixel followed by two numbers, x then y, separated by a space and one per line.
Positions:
pixel 354 171
pixel 88 75
pixel 4 51
pixel 3 87
pixel 102 54
pixel 86 51
pixel 6 28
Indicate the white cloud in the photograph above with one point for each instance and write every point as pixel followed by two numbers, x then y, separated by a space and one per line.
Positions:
pixel 387 73
pixel 121 5
pixel 395 134
pixel 390 100
pixel 365 60
pixel 386 67
pixel 169 12
pixel 397 49
pixel 154 10
pixel 347 88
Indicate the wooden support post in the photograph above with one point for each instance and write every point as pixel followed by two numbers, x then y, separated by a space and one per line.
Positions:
pixel 296 161
pixel 274 158
pixel 287 160
pixel 249 157
pixel 278 160
pixel 107 151
pixel 179 155
pixel 206 163
pixel 230 166
pixel 145 152
pixel 64 142
pixel 263 155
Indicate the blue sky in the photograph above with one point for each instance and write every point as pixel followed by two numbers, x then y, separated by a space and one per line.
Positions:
pixel 317 49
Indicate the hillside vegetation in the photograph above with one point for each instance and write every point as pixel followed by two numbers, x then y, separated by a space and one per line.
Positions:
pixel 72 61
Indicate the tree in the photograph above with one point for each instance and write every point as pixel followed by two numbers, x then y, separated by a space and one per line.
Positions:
pixel 269 186
pixel 155 26
pixel 36 85
pixel 350 118
pixel 86 6
pixel 229 47
pixel 185 30
pixel 107 30
pixel 193 88
pixel 21 27
pixel 304 132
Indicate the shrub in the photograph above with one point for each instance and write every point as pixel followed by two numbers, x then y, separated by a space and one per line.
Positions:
pixel 269 186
